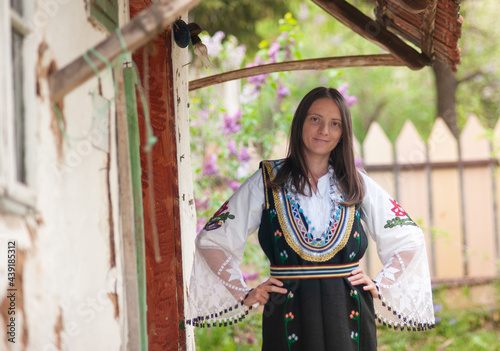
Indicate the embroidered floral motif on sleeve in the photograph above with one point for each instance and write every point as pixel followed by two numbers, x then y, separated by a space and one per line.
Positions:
pixel 218 218
pixel 402 218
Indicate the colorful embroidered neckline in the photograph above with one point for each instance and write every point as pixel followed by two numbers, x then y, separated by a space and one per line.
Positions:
pixel 296 233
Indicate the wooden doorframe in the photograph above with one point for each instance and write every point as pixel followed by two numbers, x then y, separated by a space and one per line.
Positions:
pixel 164 279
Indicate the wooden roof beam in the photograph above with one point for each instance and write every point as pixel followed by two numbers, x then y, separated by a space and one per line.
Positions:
pixel 312 64
pixel 428 28
pixel 139 31
pixel 374 31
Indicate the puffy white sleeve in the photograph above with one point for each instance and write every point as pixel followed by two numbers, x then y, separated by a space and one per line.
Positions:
pixel 217 288
pixel 405 295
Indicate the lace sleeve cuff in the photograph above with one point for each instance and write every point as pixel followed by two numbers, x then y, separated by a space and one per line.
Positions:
pixel 405 295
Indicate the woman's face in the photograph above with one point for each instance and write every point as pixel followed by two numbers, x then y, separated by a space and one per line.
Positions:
pixel 322 129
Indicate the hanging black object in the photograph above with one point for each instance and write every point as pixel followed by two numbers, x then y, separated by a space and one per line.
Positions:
pixel 181 33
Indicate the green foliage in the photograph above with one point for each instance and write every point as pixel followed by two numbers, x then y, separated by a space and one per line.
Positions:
pixel 244 336
pixel 237 18
pixel 479 74
pixel 456 330
pixel 457 327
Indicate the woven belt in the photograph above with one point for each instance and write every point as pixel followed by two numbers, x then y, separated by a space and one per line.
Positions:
pixel 312 272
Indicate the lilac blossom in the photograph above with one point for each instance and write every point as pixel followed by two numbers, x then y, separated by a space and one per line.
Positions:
pixel 235 57
pixel 233 184
pixel 282 91
pixel 358 162
pixel 231 146
pixel 259 79
pixel 213 43
pixel 319 19
pixel 249 94
pixel 303 14
pixel 200 223
pixel 204 113
pixel 273 50
pixel 244 155
pixel 201 205
pixel 235 53
pixel 351 100
pixel 231 122
pixel 210 166
pixel 343 89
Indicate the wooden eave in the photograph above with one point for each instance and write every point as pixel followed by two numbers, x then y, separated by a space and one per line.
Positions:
pixel 436 29
pixel 374 32
pixel 433 26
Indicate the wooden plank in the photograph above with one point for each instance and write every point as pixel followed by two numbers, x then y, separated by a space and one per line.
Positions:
pixel 133 337
pixel 478 201
pixel 446 204
pixel 410 148
pixel 464 281
pixel 139 31
pixel 475 144
pixel 130 81
pixel 299 65
pixel 428 26
pixel 373 31
pixel 479 221
pixel 493 162
pixel 378 149
pixel 442 144
pixel 416 6
pixel 496 192
pixel 413 184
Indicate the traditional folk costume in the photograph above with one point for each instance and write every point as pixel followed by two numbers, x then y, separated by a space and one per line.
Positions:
pixel 312 243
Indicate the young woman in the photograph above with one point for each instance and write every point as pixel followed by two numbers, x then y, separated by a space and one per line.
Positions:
pixel 312 211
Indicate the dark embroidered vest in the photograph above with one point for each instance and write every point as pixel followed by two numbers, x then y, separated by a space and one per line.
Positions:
pixel 284 236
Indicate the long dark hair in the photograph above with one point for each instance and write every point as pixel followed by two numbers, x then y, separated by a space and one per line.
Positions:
pixel 341 158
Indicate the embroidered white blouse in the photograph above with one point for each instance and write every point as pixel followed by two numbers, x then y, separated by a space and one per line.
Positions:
pixel 217 288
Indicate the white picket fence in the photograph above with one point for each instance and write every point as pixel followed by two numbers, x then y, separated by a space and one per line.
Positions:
pixel 450 188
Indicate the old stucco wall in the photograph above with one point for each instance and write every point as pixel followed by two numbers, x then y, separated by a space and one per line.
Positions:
pixel 68 251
